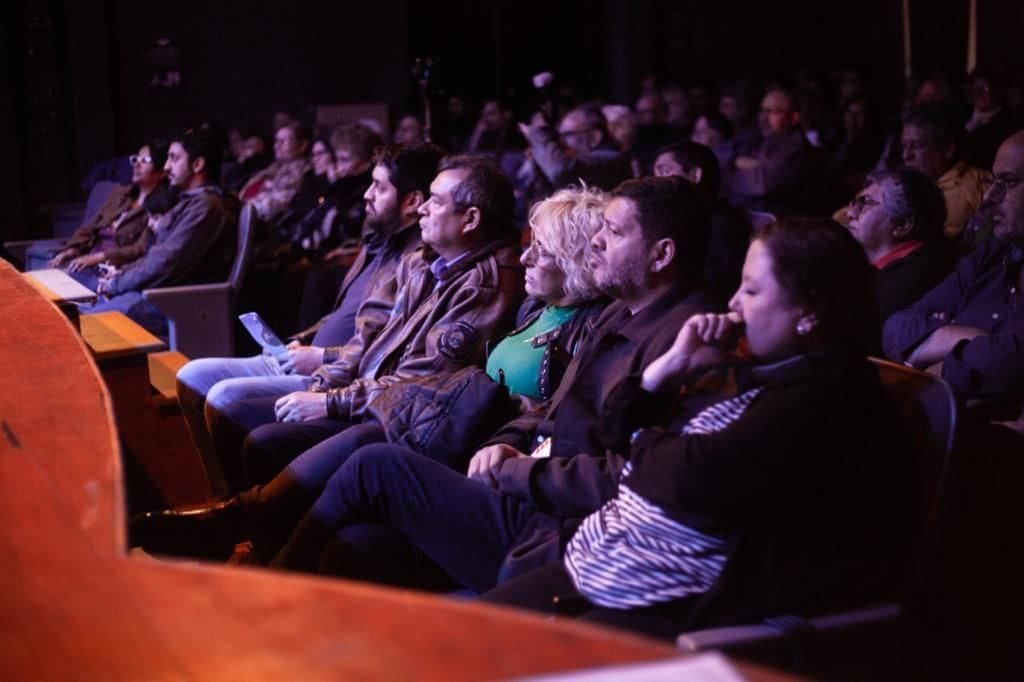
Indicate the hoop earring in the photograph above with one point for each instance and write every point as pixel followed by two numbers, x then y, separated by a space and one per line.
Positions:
pixel 803 327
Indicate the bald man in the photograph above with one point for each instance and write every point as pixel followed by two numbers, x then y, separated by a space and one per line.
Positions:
pixel 973 321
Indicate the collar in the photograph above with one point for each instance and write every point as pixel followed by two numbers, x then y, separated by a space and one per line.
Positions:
pixel 901 251
pixel 439 267
pixel 979 118
pixel 637 327
pixel 951 178
pixel 794 369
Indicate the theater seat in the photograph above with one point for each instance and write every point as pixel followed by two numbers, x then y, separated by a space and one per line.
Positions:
pixel 866 642
pixel 201 317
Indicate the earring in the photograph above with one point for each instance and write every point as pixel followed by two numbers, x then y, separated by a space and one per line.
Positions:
pixel 803 327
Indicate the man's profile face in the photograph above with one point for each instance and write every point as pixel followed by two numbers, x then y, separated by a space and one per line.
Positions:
pixel 440 220
pixel 179 171
pixel 619 253
pixel 921 152
pixel 1005 197
pixel 382 201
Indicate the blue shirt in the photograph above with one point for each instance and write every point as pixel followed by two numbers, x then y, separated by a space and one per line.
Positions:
pixel 984 292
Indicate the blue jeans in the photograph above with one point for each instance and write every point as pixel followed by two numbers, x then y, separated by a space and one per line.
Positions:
pixel 132 304
pixel 208 385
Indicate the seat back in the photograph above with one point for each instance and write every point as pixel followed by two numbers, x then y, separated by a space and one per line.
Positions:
pixel 929 410
pixel 246 220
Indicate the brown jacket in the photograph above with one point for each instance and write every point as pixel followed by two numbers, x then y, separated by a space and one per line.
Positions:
pixel 131 236
pixel 435 326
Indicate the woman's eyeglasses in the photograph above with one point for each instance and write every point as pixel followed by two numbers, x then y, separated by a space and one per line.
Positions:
pixel 135 158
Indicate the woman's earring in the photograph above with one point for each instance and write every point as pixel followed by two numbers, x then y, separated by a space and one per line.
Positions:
pixel 803 327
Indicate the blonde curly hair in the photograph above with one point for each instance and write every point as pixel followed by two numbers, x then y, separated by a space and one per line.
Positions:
pixel 565 223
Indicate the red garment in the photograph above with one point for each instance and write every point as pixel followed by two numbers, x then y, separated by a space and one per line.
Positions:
pixel 901 251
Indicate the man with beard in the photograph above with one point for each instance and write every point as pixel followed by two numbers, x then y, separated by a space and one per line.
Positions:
pixel 400 516
pixel 400 185
pixel 973 321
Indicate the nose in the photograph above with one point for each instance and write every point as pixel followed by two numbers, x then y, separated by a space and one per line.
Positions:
pixel 527 258
pixel 368 193
pixel 734 302
pixel 597 241
pixel 424 208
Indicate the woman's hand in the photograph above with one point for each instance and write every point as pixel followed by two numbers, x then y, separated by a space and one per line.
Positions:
pixel 704 342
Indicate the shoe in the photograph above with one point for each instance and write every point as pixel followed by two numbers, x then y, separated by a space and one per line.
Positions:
pixel 207 532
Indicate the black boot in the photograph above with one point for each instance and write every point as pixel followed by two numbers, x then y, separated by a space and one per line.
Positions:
pixel 207 532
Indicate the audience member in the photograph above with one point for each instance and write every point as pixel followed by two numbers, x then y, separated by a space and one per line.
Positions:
pixel 270 190
pixel 776 175
pixel 898 220
pixel 408 131
pixel 116 234
pixel 452 297
pixel 401 184
pixel 991 120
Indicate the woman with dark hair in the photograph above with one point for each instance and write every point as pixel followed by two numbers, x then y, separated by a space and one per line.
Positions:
pixel 117 233
pixel 788 496
pixel 898 219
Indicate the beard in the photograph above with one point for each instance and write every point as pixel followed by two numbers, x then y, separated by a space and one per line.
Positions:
pixel 384 224
pixel 623 282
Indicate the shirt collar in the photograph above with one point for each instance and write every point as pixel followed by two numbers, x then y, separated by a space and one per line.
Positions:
pixel 903 250
pixel 439 267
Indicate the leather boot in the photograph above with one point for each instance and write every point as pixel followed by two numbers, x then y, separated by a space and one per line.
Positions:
pixel 207 532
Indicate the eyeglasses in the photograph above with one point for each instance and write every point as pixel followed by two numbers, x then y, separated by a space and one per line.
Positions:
pixel 571 133
pixel 135 159
pixel 774 110
pixel 864 201
pixel 1001 184
pixel 321 152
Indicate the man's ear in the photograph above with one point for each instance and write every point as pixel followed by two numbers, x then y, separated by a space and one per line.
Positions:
pixel 470 219
pixel 902 229
pixel 662 253
pixel 412 202
pixel 694 175
pixel 795 118
pixel 198 164
pixel 594 138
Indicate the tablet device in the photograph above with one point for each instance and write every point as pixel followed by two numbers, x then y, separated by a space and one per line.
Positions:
pixel 262 333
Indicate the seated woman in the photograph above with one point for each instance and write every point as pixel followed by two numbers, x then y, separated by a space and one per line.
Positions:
pixel 270 190
pixel 790 496
pixel 117 233
pixel 562 308
pixel 898 219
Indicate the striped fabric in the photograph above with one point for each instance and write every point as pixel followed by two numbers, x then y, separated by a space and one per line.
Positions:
pixel 630 553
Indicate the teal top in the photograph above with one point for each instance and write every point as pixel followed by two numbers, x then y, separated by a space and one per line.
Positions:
pixel 517 362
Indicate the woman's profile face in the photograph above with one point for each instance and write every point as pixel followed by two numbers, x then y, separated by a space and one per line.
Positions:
pixel 287 146
pixel 769 316
pixel 544 279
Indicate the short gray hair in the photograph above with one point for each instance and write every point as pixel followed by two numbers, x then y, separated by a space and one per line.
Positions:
pixel 909 195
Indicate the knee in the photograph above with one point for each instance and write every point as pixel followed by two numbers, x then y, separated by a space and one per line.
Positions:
pixel 197 376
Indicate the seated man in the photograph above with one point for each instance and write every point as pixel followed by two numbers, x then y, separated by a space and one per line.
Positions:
pixel 773 176
pixel 932 140
pixel 506 517
pixel 580 150
pixel 400 185
pixel 972 322
pixel 453 296
pixel 196 245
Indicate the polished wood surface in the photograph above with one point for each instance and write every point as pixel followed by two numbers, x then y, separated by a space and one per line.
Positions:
pixel 58 286
pixel 113 335
pixel 76 606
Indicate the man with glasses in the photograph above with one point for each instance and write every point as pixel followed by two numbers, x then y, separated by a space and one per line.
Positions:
pixel 775 175
pixel 580 151
pixel 971 326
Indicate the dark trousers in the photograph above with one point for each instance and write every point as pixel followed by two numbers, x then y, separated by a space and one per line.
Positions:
pixel 468 530
pixel 269 448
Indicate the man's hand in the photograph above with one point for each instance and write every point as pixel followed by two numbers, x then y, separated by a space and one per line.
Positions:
pixel 86 261
pixel 62 257
pixel 302 359
pixel 704 342
pixel 941 342
pixel 486 462
pixel 301 406
pixel 746 162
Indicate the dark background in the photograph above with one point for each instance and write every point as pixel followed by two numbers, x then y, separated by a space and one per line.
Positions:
pixel 74 75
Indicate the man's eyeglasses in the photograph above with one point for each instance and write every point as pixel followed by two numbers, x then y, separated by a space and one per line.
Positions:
pixel 135 159
pixel 1000 184
pixel 863 201
pixel 572 133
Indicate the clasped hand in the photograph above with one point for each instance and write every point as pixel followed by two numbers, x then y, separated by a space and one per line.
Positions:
pixel 704 342
pixel 301 406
